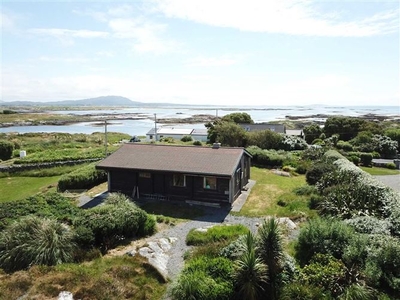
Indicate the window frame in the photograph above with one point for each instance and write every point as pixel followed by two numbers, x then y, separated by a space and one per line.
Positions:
pixel 174 181
pixel 205 183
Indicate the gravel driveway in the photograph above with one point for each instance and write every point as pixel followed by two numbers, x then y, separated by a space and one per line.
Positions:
pixel 390 180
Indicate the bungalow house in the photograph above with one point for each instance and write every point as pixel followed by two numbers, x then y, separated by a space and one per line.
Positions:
pixel 205 174
pixel 278 128
pixel 177 133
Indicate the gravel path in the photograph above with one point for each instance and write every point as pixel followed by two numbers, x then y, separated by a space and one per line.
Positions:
pixel 390 180
pixel 212 217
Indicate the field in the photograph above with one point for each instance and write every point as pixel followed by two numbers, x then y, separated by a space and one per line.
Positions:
pixel 16 188
pixel 380 171
pixel 273 195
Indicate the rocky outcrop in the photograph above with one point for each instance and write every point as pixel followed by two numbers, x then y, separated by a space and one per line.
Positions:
pixel 157 254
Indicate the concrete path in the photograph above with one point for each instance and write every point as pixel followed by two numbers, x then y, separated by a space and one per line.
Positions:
pixel 86 201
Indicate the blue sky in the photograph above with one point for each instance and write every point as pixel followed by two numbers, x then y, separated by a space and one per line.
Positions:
pixel 255 52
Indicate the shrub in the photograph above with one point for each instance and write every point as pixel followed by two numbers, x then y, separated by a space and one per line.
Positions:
pixel 168 139
pixel 354 159
pixel 197 143
pixel 267 158
pixel 6 150
pixel 325 236
pixel 390 166
pixel 346 146
pixel 315 201
pixel 264 139
pixel 382 266
pixel 51 205
pixel 366 159
pixel 305 190
pixel 327 272
pixel 82 178
pixel 313 154
pixel 370 225
pixel 35 241
pixel 187 138
pixel 301 291
pixel 316 171
pixel 302 167
pixel 290 143
pixel 9 112
pixel 111 223
pixel 205 278
pixel 350 192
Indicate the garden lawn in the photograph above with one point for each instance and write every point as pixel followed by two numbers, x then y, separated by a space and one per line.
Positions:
pixel 272 195
pixel 380 171
pixel 16 188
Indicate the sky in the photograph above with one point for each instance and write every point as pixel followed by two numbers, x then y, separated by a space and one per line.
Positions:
pixel 208 52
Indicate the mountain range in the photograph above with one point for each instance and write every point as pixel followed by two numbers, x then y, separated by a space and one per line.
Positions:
pixel 98 101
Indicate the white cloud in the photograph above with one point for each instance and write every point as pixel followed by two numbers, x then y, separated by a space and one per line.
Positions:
pixel 146 34
pixel 211 61
pixel 278 16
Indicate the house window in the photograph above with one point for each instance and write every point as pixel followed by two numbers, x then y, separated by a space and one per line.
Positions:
pixel 238 176
pixel 144 175
pixel 210 183
pixel 179 180
pixel 151 137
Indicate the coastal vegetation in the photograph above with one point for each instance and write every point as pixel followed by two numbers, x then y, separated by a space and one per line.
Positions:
pixel 346 248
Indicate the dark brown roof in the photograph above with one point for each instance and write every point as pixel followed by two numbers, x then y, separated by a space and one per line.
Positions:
pixel 180 159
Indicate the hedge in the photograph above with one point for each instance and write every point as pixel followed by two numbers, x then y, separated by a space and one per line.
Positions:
pixel 82 178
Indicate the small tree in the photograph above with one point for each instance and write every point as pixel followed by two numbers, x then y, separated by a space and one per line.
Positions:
pixel 6 150
pixel 311 132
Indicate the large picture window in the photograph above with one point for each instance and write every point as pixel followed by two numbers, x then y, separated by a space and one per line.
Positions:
pixel 179 180
pixel 210 183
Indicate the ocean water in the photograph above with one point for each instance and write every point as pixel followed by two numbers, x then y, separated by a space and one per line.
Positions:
pixel 146 114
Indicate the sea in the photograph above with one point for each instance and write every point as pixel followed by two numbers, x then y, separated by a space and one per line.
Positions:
pixel 145 117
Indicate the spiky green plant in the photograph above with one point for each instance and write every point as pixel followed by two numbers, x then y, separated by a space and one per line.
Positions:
pixel 270 249
pixel 358 292
pixel 35 241
pixel 250 271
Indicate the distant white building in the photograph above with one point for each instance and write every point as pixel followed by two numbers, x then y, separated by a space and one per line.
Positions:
pixel 177 133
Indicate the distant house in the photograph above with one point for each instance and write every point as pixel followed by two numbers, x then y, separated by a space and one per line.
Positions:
pixel 278 128
pixel 209 174
pixel 177 133
pixel 295 132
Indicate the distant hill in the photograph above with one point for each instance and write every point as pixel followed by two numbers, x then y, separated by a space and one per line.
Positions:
pixel 98 101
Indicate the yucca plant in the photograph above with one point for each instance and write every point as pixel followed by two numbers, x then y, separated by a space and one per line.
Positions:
pixel 35 241
pixel 250 271
pixel 270 250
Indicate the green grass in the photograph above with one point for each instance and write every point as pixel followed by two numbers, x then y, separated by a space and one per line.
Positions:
pixel 215 234
pixel 273 195
pixel 16 188
pixel 380 171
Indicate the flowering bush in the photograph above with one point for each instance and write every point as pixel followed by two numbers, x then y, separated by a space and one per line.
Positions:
pixel 290 143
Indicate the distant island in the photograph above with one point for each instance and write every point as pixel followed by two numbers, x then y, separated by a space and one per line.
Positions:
pixel 103 101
